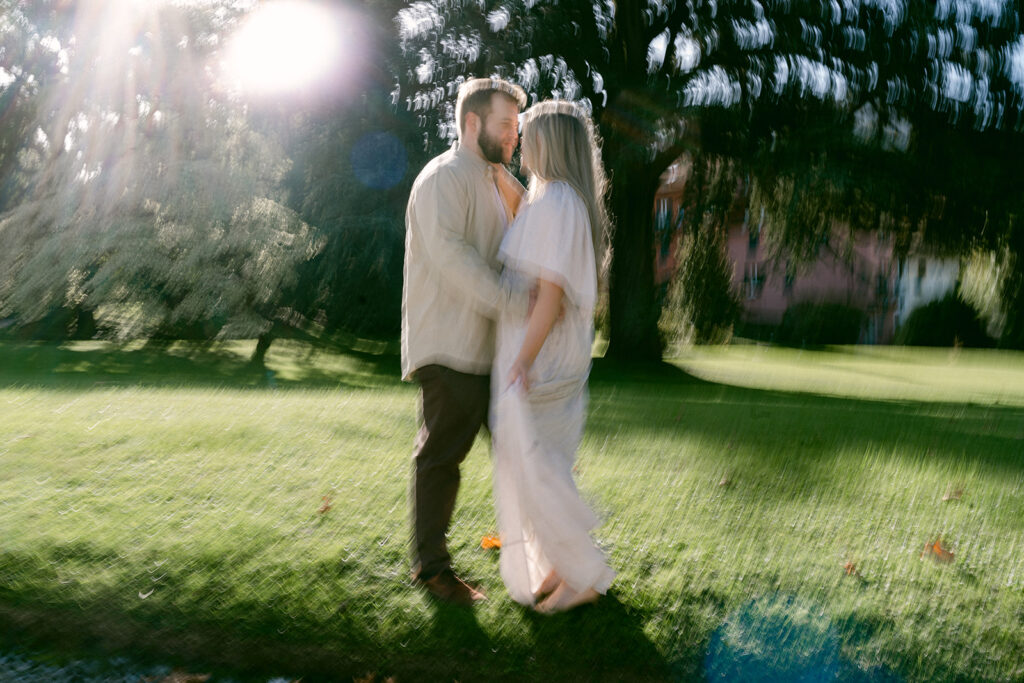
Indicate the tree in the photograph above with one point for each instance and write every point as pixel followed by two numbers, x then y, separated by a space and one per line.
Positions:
pixel 354 156
pixel 809 98
pixel 150 203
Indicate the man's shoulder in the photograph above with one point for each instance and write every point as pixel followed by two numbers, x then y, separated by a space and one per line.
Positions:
pixel 444 164
pixel 447 176
pixel 428 178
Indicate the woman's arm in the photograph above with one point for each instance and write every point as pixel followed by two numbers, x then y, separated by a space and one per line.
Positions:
pixel 545 312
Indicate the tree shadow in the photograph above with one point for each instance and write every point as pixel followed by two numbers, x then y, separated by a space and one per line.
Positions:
pixel 812 427
pixel 96 365
pixel 606 371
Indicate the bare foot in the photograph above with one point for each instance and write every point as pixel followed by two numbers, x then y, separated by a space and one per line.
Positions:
pixel 549 584
pixel 564 598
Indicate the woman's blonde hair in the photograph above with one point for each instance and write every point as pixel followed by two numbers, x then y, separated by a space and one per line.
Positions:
pixel 560 141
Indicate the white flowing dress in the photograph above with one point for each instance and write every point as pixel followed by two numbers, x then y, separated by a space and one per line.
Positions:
pixel 542 521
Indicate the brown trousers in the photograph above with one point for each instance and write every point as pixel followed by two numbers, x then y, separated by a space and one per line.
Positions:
pixel 454 406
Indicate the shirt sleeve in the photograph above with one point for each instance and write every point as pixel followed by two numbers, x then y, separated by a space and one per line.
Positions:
pixel 441 210
pixel 552 242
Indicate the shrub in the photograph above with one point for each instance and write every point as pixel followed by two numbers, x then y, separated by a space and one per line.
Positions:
pixel 946 322
pixel 811 323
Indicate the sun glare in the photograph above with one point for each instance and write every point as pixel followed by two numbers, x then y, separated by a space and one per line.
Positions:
pixel 283 46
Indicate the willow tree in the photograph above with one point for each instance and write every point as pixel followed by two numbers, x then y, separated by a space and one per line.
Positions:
pixel 149 202
pixel 823 105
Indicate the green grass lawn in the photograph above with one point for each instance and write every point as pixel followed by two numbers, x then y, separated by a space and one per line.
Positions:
pixel 766 510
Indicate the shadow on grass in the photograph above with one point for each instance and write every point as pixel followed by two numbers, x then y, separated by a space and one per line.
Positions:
pixel 600 642
pixel 92 365
pixel 661 399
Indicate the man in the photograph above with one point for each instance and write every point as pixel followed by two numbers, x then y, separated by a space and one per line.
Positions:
pixel 458 210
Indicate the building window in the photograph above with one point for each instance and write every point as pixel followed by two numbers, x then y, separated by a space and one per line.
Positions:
pixel 663 226
pixel 755 232
pixel 753 279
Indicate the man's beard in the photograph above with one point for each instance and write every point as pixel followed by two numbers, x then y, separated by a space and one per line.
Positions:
pixel 490 148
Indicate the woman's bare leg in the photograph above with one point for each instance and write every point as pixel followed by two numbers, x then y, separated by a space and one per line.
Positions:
pixel 564 598
pixel 549 584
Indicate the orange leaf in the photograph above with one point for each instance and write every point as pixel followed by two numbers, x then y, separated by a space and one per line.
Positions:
pixel 325 506
pixel 488 542
pixel 937 551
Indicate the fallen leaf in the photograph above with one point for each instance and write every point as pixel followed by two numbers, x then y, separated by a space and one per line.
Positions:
pixel 489 542
pixel 325 506
pixel 851 569
pixel 953 493
pixel 937 551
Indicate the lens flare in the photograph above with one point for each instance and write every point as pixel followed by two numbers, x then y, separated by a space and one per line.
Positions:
pixel 284 46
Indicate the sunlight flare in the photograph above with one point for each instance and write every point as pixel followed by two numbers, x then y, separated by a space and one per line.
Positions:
pixel 283 46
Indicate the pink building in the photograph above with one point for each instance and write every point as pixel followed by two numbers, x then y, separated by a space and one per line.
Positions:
pixel 859 272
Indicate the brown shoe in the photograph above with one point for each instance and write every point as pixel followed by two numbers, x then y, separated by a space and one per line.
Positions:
pixel 450 588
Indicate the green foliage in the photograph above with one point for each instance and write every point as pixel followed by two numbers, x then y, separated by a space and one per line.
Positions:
pixel 357 278
pixel 154 206
pixel 982 276
pixel 354 284
pixel 701 305
pixel 811 323
pixel 947 322
pixel 993 283
pixel 900 116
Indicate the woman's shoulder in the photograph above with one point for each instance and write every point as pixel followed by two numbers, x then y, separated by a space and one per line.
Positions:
pixel 558 195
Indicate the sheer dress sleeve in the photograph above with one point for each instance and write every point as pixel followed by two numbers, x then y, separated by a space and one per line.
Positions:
pixel 552 241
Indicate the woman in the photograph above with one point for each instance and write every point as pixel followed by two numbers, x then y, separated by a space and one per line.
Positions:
pixel 557 246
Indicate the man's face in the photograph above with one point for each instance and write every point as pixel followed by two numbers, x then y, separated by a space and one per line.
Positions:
pixel 499 134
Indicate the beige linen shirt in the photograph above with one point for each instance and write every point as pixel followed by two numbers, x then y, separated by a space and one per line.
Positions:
pixel 452 292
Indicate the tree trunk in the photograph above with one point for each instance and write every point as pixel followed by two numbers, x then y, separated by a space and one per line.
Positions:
pixel 84 325
pixel 262 346
pixel 633 304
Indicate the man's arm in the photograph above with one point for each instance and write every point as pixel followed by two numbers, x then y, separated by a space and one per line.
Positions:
pixel 441 209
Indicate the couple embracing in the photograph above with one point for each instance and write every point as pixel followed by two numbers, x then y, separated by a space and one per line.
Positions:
pixel 497 326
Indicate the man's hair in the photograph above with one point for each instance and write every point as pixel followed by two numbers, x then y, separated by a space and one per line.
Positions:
pixel 475 96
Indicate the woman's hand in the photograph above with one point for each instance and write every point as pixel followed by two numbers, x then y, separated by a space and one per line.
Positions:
pixel 519 372
pixel 546 310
